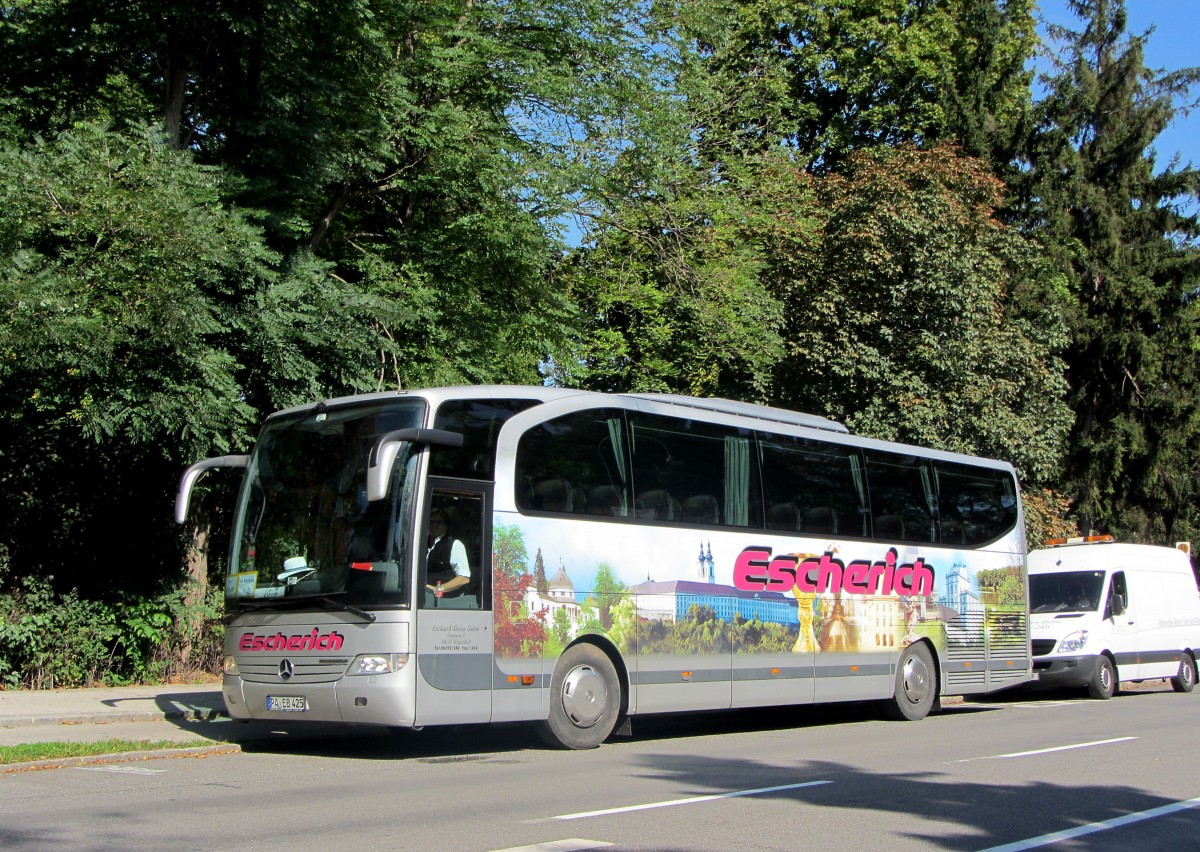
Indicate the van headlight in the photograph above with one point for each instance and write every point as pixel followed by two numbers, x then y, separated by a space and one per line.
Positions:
pixel 1073 642
pixel 375 664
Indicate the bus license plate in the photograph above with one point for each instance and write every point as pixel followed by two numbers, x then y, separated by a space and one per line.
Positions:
pixel 294 703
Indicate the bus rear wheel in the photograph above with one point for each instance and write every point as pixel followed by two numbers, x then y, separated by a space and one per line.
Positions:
pixel 916 684
pixel 585 699
pixel 1185 681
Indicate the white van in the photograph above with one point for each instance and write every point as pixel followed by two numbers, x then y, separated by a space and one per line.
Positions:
pixel 1103 612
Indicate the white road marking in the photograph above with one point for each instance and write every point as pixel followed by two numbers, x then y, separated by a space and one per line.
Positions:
pixel 1046 750
pixel 127 770
pixel 690 801
pixel 572 845
pixel 1080 831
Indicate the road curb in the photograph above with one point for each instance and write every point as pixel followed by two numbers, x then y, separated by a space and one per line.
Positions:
pixel 191 715
pixel 119 757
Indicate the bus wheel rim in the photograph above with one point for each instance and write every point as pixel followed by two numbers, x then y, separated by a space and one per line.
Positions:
pixel 584 696
pixel 917 681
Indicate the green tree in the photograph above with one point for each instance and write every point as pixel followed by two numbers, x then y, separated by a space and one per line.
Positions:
pixel 831 78
pixel 1124 236
pixel 561 627
pixel 607 591
pixel 539 574
pixel 905 324
pixel 337 196
pixel 131 301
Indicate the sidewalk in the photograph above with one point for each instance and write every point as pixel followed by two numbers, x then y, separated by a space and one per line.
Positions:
pixel 39 707
pixel 188 714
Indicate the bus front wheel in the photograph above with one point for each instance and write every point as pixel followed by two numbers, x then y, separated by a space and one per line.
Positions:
pixel 585 699
pixel 916 684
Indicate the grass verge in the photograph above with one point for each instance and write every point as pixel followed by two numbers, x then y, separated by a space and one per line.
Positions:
pixel 48 751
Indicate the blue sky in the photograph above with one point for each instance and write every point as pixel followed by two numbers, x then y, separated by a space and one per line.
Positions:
pixel 1174 44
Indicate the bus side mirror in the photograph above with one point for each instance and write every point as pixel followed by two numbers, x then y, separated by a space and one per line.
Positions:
pixel 188 481
pixel 387 448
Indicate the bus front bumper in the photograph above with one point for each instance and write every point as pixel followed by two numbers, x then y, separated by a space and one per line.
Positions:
pixel 368 700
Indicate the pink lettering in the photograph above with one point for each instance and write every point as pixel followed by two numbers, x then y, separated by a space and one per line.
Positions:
pixel 781 573
pixel 829 574
pixel 854 580
pixel 756 570
pixel 806 580
pixel 750 569
pixel 313 641
pixel 882 570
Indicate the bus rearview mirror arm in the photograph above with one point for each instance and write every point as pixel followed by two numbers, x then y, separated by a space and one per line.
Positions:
pixel 188 481
pixel 387 448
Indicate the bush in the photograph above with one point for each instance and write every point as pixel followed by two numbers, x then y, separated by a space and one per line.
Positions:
pixel 50 640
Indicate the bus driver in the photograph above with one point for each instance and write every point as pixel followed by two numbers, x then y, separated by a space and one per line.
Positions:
pixel 447 569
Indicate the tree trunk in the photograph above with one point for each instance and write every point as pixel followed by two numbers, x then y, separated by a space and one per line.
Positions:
pixel 196 583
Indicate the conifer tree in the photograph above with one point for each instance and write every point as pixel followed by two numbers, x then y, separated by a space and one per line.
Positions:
pixel 1123 233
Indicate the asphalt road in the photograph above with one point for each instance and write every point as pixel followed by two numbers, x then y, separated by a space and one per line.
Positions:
pixel 1005 773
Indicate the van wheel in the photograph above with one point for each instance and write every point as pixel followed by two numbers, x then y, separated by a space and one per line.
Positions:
pixel 1185 681
pixel 585 699
pixel 1104 680
pixel 916 685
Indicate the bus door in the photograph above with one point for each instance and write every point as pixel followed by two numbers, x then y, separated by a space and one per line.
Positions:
pixel 454 604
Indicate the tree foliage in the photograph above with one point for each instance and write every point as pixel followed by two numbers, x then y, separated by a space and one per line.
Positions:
pixel 1124 235
pixel 211 211
pixel 335 196
pixel 905 324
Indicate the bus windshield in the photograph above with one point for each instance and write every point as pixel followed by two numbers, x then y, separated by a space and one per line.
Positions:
pixel 304 527
pixel 1069 591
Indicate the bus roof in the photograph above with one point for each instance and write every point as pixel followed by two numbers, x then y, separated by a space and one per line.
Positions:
pixel 545 394
pixel 745 409
pixel 764 414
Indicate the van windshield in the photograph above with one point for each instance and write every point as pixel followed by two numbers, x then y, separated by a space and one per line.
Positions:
pixel 1069 591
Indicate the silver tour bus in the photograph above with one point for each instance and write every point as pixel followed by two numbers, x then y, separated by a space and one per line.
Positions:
pixel 571 558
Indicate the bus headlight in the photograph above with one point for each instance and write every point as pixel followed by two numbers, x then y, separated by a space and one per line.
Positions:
pixel 1073 642
pixel 375 664
pixel 230 665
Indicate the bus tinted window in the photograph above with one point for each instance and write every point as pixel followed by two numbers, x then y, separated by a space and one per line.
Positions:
pixel 575 464
pixel 478 421
pixel 683 471
pixel 975 504
pixel 902 499
pixel 694 473
pixel 812 487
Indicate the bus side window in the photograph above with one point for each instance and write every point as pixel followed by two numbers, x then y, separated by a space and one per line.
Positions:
pixel 811 487
pixel 691 472
pixel 902 501
pixel 574 465
pixel 975 504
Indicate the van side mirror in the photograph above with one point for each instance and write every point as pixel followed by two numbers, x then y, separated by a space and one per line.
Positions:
pixel 1118 604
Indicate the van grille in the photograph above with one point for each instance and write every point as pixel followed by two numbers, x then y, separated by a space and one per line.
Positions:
pixel 1042 647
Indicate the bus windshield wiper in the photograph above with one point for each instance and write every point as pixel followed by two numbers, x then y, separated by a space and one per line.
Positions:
pixel 353 610
pixel 293 601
